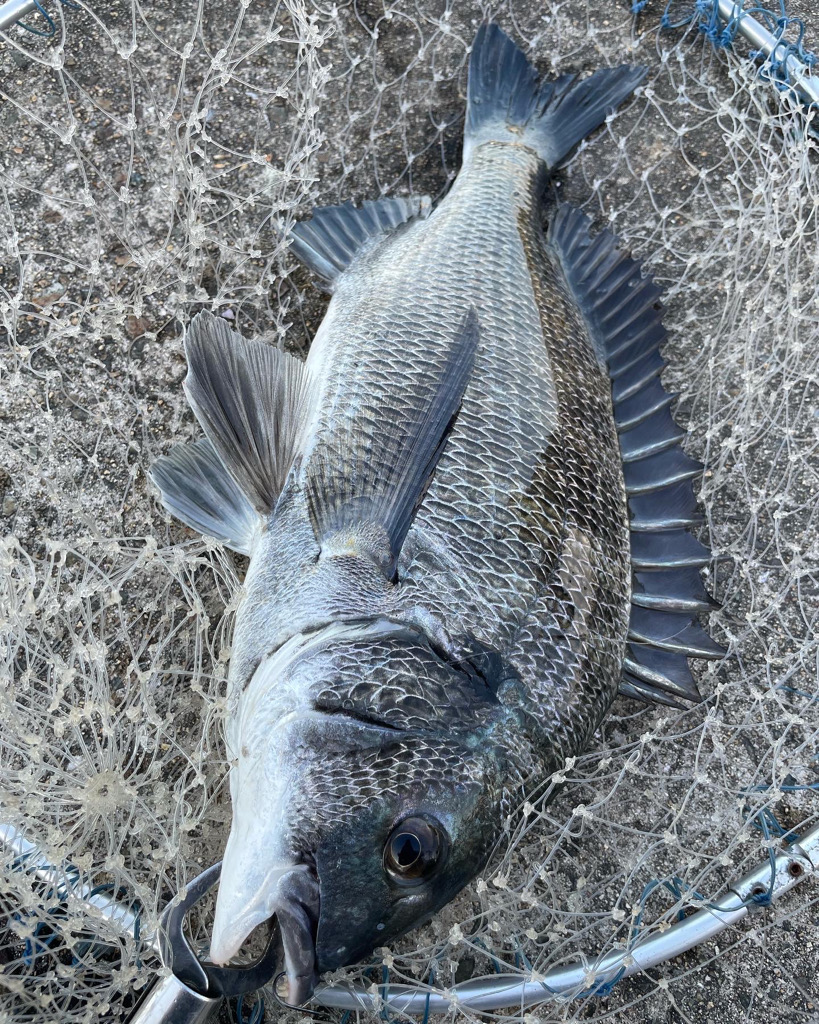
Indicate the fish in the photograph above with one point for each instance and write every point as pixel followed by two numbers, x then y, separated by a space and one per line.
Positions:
pixel 468 519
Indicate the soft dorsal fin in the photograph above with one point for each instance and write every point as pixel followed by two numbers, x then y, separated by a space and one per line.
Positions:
pixel 198 490
pixel 623 317
pixel 252 401
pixel 334 235
pixel 364 488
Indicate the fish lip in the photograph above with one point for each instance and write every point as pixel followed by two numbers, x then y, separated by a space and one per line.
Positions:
pixel 297 913
pixel 295 906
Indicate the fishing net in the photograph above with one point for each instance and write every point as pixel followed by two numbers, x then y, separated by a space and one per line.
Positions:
pixel 151 159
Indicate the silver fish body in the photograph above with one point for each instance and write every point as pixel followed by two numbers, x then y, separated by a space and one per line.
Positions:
pixel 438 601
pixel 521 543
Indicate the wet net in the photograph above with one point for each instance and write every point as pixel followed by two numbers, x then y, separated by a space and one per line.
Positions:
pixel 151 159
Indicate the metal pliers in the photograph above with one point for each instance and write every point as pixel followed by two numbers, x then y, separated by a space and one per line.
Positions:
pixel 194 991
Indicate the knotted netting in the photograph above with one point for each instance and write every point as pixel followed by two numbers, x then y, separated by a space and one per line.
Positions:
pixel 151 159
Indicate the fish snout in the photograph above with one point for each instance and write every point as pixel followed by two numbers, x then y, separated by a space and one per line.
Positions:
pixel 290 893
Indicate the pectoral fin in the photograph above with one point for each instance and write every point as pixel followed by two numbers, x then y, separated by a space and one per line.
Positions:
pixel 364 488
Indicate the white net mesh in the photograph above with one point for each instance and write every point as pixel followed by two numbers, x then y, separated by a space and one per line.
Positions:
pixel 150 157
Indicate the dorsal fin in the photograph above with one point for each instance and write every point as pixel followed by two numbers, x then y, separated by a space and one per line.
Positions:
pixel 623 317
pixel 364 487
pixel 334 235
pixel 252 402
pixel 198 490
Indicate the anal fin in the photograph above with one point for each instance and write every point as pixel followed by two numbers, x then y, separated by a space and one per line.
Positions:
pixel 330 240
pixel 621 311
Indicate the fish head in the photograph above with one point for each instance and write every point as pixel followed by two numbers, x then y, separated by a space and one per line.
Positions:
pixel 354 822
pixel 425 817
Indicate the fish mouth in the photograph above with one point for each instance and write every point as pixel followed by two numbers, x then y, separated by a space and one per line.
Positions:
pixel 290 893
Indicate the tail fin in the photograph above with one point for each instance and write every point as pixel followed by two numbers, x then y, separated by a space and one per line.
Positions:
pixel 507 102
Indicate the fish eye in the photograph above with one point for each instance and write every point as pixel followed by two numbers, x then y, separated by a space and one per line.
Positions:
pixel 413 850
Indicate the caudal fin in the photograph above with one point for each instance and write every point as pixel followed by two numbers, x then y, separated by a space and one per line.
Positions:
pixel 508 102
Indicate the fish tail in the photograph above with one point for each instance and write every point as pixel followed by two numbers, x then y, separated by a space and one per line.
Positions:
pixel 508 102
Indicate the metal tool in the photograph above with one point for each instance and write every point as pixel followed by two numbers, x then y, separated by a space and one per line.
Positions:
pixel 774 48
pixel 67 883
pixel 194 990
pixel 13 11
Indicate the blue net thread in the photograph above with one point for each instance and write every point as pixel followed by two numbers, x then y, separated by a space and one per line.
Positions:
pixel 775 66
pixel 763 820
pixel 603 988
pixel 810 697
pixel 52 28
pixel 385 1012
pixel 762 898
pixel 256 1012
pixel 41 938
pixel 45 933
pixel 766 816
pixel 496 967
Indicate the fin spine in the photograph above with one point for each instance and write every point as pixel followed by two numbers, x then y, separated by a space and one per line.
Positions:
pixel 631 686
pixel 624 319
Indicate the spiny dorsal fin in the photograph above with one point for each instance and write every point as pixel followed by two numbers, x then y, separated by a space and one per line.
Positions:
pixel 198 490
pixel 364 488
pixel 621 310
pixel 664 672
pixel 252 401
pixel 334 235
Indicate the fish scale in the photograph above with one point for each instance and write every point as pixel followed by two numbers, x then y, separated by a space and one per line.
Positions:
pixel 496 546
pixel 510 599
pixel 448 509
